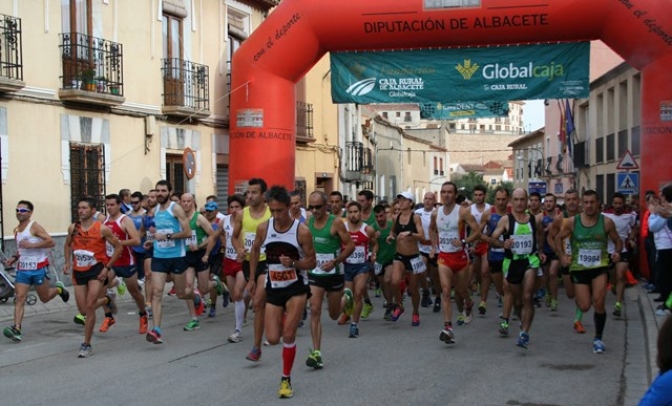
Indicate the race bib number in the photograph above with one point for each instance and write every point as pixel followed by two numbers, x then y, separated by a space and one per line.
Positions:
pixel 280 276
pixel 499 250
pixel 358 256
pixel 28 262
pixel 84 259
pixel 230 251
pixel 446 242
pixel 249 240
pixel 191 241
pixel 165 243
pixel 322 259
pixel 590 258
pixel 377 268
pixel 568 246
pixel 418 265
pixel 109 249
pixel 522 244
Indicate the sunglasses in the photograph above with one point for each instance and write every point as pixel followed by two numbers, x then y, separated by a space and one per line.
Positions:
pixel 22 211
pixel 136 202
pixel 316 207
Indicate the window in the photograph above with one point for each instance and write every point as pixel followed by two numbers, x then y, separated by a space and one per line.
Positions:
pixel 398 113
pixel 385 115
pixel 493 181
pixel 236 33
pixel 599 187
pixel 300 186
pixel 599 150
pixel 407 116
pixel 611 147
pixel 436 167
pixel 87 175
pixel 635 140
pixel 175 173
pixel 76 17
pixel 173 79
pixel 441 166
pixel 611 187
pixel 622 142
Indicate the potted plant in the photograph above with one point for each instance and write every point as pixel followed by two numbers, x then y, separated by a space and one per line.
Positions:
pixel 101 84
pixel 87 80
pixel 114 88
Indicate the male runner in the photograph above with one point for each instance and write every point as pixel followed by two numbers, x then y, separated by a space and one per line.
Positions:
pixel 625 222
pixel 329 235
pixel 535 203
pixel 233 270
pixel 288 245
pixel 489 222
pixel 425 246
pixel 124 229
pixel 356 269
pixel 407 231
pixel 365 199
pixel 244 234
pixel 447 231
pixel 138 250
pixel 523 241
pixel 86 243
pixel 479 266
pixel 168 257
pixel 336 204
pixel 33 243
pixel 216 260
pixel 552 264
pixel 199 245
pixel 589 262
pixel 384 265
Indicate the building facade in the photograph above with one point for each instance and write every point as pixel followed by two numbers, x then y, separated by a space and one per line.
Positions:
pixel 528 159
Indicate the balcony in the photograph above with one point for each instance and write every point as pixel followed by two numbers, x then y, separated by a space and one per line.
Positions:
pixel 358 162
pixel 11 68
pixel 92 70
pixel 186 89
pixel 304 123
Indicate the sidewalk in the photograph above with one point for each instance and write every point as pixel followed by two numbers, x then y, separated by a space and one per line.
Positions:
pixel 642 335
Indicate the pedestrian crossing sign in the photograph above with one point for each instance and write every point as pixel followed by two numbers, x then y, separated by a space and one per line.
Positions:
pixel 627 183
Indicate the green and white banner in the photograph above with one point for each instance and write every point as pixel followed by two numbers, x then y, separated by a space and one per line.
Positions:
pixel 522 72
pixel 454 111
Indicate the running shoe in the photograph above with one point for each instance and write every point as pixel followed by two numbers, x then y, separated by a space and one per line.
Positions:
pixel 172 292
pixel 598 346
pixel 236 337
pixel 144 324
pixel 617 309
pixel 415 320
pixel 437 304
pixel 367 310
pixel 388 314
pixel 426 300
pixel 62 292
pixel 219 286
pixel 578 327
pixel 12 333
pixel 481 308
pixel 447 335
pixel 379 292
pixel 523 340
pixel 343 319
pixel 80 319
pixel 84 351
pixel 211 313
pixel 154 336
pixel 349 302
pixel 254 355
pixel 460 319
pixel 397 313
pixel 554 305
pixel 354 331
pixel 286 390
pixel 121 287
pixel 467 312
pixel 226 296
pixel 315 360
pixel 107 323
pixel 199 305
pixel 192 325
pixel 504 328
pixel 500 303
pixel 662 311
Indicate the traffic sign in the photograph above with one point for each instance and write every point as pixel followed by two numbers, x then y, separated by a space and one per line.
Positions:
pixel 627 183
pixel 539 187
pixel 627 162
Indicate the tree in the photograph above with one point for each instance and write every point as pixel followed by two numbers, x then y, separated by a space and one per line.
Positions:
pixel 465 185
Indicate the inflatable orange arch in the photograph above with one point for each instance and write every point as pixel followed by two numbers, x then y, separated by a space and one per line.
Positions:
pixel 299 32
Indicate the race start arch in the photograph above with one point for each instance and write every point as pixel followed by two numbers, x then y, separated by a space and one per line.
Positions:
pixel 299 32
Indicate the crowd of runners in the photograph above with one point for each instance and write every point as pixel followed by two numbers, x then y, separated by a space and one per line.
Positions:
pixel 281 261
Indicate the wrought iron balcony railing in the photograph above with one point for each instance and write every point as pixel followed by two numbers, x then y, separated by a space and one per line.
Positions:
pixel 11 66
pixel 92 64
pixel 358 158
pixel 186 84
pixel 304 120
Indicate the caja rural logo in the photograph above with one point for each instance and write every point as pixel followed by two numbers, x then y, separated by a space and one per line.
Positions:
pixel 361 87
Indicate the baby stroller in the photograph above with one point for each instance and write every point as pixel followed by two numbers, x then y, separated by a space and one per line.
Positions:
pixel 7 277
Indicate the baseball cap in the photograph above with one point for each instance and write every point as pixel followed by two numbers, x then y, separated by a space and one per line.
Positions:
pixel 211 206
pixel 406 195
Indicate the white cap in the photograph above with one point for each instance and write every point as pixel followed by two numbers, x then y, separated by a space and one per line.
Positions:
pixel 406 195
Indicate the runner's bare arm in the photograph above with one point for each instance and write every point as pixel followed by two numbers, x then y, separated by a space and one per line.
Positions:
pixel 133 234
pixel 67 251
pixel 348 246
pixel 610 228
pixel 235 237
pixel 309 261
pixel 114 241
pixel 39 231
pixel 502 226
pixel 471 222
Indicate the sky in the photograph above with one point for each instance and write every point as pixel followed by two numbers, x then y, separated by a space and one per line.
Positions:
pixel 533 115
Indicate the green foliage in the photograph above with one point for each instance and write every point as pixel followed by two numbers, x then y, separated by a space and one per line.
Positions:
pixel 465 185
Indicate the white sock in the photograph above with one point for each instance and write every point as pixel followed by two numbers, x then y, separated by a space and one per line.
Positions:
pixel 240 312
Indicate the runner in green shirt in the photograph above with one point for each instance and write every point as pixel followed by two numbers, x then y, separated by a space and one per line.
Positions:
pixel 383 266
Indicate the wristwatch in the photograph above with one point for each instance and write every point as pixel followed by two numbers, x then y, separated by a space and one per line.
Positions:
pixel 169 237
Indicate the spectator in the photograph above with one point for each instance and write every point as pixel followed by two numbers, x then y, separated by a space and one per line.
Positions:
pixel 660 391
pixel 662 235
